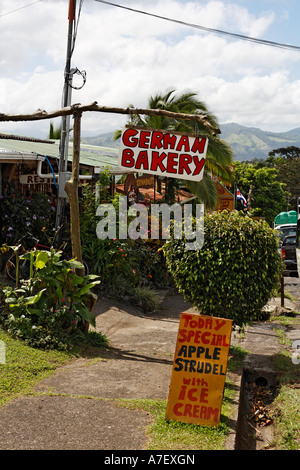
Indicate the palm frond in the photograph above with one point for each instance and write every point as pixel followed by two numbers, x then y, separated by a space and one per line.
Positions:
pixel 219 157
pixel 205 190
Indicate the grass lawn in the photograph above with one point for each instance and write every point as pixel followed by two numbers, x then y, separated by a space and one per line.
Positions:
pixel 25 366
pixel 173 435
pixel 287 403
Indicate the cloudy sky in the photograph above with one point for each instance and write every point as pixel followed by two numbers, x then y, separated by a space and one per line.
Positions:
pixel 128 56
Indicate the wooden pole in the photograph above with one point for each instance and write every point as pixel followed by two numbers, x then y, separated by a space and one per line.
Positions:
pixel 249 199
pixel 42 114
pixel 71 189
pixel 282 291
pixel 71 186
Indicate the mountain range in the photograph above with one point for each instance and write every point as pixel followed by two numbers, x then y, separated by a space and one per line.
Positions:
pixel 247 143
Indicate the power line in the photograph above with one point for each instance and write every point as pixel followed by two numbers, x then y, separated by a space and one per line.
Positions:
pixel 210 30
pixel 21 8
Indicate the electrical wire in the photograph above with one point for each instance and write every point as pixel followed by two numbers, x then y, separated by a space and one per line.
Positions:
pixel 79 72
pixel 210 30
pixel 46 158
pixel 21 8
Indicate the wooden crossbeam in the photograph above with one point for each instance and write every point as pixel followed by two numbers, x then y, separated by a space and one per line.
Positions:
pixel 70 110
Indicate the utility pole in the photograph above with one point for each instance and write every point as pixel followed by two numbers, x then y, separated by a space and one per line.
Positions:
pixel 66 101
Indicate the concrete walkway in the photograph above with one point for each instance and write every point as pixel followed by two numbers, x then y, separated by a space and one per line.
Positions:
pixel 78 407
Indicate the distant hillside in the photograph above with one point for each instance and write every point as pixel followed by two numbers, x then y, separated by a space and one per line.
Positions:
pixel 103 140
pixel 247 143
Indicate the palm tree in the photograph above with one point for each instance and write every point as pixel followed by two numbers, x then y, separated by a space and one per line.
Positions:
pixel 219 154
pixel 54 134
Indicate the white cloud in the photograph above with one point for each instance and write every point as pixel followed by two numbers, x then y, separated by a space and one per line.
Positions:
pixel 128 56
pixel 258 101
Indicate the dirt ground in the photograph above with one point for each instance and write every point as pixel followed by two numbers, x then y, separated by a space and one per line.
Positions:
pixel 77 407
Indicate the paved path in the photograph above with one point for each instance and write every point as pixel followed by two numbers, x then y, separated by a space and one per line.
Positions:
pixel 78 407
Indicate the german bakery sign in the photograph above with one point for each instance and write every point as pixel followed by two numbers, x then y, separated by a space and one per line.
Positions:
pixel 161 153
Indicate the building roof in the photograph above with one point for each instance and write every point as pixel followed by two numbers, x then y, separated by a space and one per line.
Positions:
pixel 90 155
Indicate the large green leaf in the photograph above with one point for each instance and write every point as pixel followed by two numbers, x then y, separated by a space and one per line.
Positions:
pixel 86 314
pixel 76 280
pixel 84 290
pixel 41 259
pixel 33 299
pixel 73 263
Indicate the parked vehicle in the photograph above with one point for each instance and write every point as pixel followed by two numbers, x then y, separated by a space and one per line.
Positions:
pixel 289 255
pixel 298 245
pixel 286 230
pixel 285 224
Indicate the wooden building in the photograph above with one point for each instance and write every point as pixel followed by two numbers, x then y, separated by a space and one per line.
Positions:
pixel 29 164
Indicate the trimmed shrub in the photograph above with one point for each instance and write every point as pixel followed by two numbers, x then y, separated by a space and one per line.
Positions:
pixel 236 271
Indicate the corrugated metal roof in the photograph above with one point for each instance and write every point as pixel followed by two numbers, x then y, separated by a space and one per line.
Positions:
pixel 29 139
pixel 91 155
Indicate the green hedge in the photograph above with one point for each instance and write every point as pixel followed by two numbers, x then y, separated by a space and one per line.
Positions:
pixel 236 271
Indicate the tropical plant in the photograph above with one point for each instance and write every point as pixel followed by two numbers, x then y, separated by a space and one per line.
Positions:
pixel 21 214
pixel 219 154
pixel 52 305
pixel 236 271
pixel 123 265
pixel 268 194
pixel 146 298
pixel 54 133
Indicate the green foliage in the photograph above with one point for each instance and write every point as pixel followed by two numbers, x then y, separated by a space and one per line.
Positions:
pixel 49 308
pixel 236 271
pixel 20 215
pixel 145 298
pixel 288 174
pixel 54 133
pixel 25 366
pixel 219 157
pixel 286 162
pixel 268 196
pixel 290 153
pixel 286 420
pixel 122 265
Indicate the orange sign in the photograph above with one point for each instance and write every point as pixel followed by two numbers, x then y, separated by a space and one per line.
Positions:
pixel 225 199
pixel 199 369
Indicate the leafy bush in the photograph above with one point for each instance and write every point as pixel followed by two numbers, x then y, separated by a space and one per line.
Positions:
pixel 122 265
pixel 19 215
pixel 146 298
pixel 235 272
pixel 50 308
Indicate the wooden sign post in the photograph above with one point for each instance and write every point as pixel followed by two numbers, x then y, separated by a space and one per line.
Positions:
pixel 199 369
pixel 71 189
